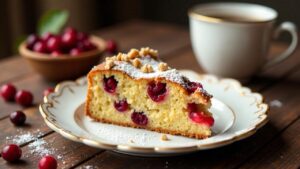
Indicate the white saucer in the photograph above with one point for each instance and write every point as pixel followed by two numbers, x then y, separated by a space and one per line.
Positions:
pixel 237 111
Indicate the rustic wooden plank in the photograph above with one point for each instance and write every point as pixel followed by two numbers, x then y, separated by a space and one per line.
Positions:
pixel 283 152
pixel 68 153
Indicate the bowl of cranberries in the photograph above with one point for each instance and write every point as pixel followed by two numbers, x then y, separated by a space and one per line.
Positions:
pixel 62 56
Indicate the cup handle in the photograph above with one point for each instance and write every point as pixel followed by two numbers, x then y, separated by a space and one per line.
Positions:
pixel 292 29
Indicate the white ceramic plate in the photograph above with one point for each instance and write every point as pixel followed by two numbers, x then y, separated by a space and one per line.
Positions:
pixel 237 111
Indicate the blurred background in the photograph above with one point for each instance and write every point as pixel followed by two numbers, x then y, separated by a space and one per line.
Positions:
pixel 20 17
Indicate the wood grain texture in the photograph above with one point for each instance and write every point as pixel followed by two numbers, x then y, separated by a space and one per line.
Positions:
pixel 282 152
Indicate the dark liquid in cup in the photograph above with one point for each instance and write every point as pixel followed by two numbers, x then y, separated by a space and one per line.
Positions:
pixel 235 18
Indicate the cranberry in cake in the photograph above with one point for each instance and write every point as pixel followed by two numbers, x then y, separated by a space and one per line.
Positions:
pixel 136 89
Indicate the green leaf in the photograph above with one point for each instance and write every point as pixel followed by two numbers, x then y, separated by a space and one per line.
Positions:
pixel 52 21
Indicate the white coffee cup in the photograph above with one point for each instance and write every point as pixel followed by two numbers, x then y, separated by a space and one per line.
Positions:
pixel 233 39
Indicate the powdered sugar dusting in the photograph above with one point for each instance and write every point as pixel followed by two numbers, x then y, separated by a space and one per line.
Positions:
pixel 37 146
pixel 24 138
pixel 276 103
pixel 172 74
pixel 88 167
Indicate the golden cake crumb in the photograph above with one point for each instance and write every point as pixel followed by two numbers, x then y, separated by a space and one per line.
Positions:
pixel 148 51
pixel 162 67
pixel 133 53
pixel 147 68
pixel 136 63
pixel 164 137
pixel 109 64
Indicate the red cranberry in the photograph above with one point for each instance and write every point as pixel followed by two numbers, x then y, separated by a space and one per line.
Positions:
pixel 192 107
pixel 17 118
pixel 54 43
pixel 81 36
pixel 121 106
pixel 46 36
pixel 110 84
pixel 24 98
pixel 11 153
pixel 88 45
pixel 48 162
pixel 111 46
pixel 193 86
pixel 157 91
pixel 56 53
pixel 202 118
pixel 40 47
pixel 85 45
pixel 69 38
pixel 75 52
pixel 31 40
pixel 48 91
pixel 139 118
pixel 70 29
pixel 8 92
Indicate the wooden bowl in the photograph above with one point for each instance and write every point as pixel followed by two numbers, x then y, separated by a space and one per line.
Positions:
pixel 64 67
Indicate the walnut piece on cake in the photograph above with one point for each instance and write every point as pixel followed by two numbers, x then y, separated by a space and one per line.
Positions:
pixel 136 63
pixel 147 68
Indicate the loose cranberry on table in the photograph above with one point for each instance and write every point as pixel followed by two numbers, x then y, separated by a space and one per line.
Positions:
pixel 18 118
pixel 48 91
pixel 48 162
pixel 24 98
pixel 8 92
pixel 11 153
pixel 111 46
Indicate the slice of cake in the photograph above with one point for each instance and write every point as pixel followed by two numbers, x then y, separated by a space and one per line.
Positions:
pixel 139 90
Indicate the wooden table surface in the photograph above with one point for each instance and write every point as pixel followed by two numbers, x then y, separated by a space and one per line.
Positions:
pixel 276 145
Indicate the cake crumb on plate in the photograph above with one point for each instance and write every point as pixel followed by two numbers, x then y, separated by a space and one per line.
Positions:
pixel 164 137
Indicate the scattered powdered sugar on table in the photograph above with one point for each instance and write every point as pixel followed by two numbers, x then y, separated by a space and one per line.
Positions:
pixel 24 138
pixel 38 146
pixel 88 167
pixel 276 103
